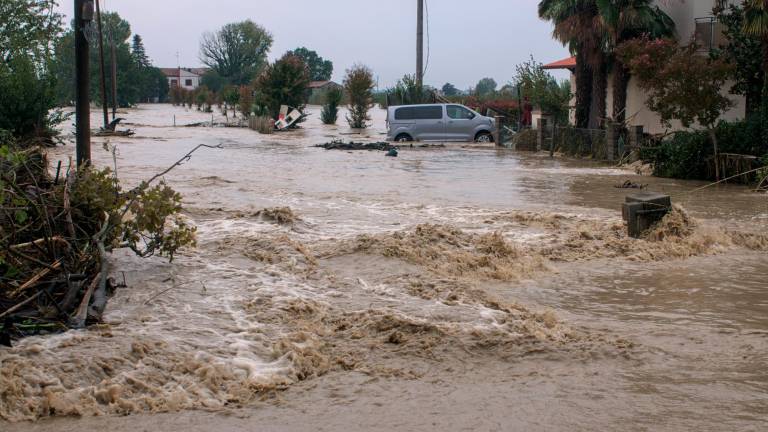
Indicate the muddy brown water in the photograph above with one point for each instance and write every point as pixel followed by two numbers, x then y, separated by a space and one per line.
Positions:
pixel 457 288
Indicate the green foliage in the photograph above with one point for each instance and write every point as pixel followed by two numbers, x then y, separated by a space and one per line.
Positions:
pixel 246 100
pixel 685 154
pixel 745 52
pixel 358 85
pixel 146 220
pixel 450 90
pixel 543 90
pixel 485 87
pixel 137 80
pixel 319 68
pixel 213 81
pixel 237 52
pixel 284 82
pixel 28 30
pixel 681 84
pixel 408 91
pixel 330 112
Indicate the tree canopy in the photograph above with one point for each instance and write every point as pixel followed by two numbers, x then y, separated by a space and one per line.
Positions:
pixel 320 69
pixel 485 87
pixel 237 52
pixel 450 90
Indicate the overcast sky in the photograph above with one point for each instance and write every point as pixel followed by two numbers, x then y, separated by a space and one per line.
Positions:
pixel 468 40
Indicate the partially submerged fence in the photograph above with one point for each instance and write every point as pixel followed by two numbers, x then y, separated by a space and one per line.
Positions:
pixel 611 143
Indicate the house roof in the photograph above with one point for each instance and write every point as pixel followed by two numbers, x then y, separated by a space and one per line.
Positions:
pixel 568 63
pixel 184 72
pixel 321 84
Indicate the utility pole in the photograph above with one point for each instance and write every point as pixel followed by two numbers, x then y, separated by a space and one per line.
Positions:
pixel 420 42
pixel 114 79
pixel 104 104
pixel 83 17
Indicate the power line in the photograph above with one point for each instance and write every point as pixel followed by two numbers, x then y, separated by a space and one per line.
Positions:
pixel 426 66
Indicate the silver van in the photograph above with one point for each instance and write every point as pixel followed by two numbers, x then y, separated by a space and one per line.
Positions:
pixel 437 122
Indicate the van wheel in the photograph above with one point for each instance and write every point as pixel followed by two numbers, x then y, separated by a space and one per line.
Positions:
pixel 484 137
pixel 403 138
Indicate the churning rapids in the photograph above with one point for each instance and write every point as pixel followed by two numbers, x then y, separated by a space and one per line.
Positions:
pixel 456 288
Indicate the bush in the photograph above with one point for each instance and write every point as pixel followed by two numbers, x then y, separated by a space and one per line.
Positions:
pixel 283 83
pixel 526 140
pixel 330 112
pixel 686 154
pixel 359 87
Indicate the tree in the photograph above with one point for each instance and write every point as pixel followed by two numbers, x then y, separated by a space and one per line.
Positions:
pixel 246 100
pixel 681 84
pixel 359 85
pixel 330 112
pixel 213 81
pixel 139 53
pixel 284 82
pixel 409 91
pixel 574 26
pixel 745 52
pixel 137 79
pixel 485 86
pixel 28 32
pixel 319 68
pixel 624 20
pixel 237 52
pixel 543 90
pixel 450 90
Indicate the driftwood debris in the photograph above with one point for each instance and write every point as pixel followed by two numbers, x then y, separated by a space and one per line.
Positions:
pixel 630 185
pixel 341 145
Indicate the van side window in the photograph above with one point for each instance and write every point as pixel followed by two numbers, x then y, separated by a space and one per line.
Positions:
pixel 404 114
pixel 457 112
pixel 429 113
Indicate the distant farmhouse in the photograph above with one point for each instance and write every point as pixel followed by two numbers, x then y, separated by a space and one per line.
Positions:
pixel 318 89
pixel 186 78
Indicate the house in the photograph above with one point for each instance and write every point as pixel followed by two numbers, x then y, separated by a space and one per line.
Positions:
pixel 186 78
pixel 694 22
pixel 317 90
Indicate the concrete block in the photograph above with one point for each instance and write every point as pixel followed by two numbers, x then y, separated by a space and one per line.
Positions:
pixel 644 209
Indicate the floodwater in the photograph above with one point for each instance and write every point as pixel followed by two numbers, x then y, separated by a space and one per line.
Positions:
pixel 457 288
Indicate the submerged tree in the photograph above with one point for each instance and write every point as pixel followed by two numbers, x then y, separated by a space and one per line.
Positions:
pixel 681 84
pixel 237 52
pixel 283 83
pixel 359 85
pixel 320 69
pixel 330 112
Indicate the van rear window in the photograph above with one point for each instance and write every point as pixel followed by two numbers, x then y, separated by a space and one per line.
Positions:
pixel 419 113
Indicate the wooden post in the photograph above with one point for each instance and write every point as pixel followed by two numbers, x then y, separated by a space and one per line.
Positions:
pixel 114 81
pixel 82 84
pixel 420 42
pixel 104 105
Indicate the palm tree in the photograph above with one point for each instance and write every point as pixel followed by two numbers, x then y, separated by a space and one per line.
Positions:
pixel 574 22
pixel 622 20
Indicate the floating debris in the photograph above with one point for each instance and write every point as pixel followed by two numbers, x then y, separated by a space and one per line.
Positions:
pixel 341 145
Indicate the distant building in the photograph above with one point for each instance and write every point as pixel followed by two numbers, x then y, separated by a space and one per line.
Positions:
pixel 693 22
pixel 317 90
pixel 186 78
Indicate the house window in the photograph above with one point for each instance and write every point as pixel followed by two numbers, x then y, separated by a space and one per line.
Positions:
pixel 188 83
pixel 174 83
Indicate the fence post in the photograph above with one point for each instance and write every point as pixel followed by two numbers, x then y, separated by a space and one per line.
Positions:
pixel 611 140
pixel 540 135
pixel 635 137
pixel 498 135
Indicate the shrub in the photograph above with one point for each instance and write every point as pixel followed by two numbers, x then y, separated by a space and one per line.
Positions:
pixel 686 155
pixel 330 112
pixel 283 83
pixel 408 91
pixel 359 86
